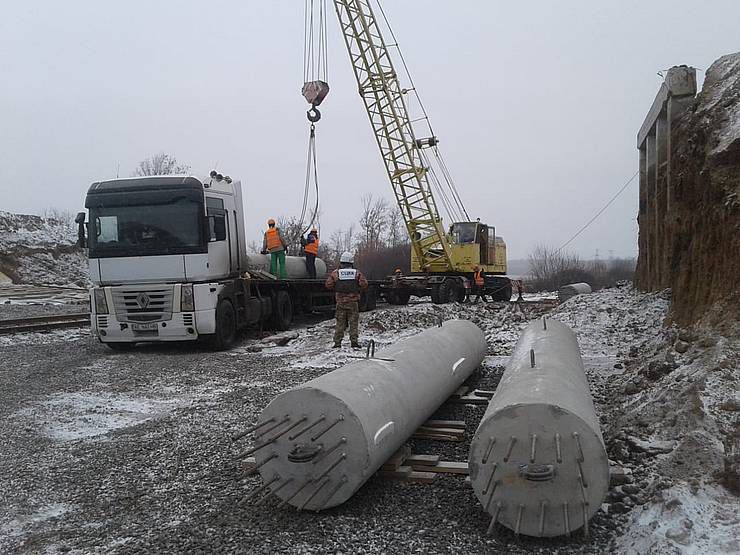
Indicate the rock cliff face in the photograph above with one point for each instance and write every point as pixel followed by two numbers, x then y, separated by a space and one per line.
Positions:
pixel 703 267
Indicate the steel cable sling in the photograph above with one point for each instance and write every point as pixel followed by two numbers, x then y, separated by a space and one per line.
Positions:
pixel 315 88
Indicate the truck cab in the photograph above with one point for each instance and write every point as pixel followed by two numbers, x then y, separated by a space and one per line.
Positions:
pixel 161 250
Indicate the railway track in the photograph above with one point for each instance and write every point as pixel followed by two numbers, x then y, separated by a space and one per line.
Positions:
pixel 44 323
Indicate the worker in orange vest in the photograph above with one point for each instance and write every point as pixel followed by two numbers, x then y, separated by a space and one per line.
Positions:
pixel 479 284
pixel 311 248
pixel 275 245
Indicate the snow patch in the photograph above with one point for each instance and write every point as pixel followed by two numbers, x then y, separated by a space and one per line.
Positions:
pixel 79 415
pixel 688 520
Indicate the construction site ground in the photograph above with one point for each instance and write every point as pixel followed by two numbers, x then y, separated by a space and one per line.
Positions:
pixel 132 453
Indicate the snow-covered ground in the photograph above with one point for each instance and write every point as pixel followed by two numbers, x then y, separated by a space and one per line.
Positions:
pixel 667 399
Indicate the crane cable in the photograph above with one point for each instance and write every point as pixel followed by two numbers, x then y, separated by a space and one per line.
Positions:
pixel 315 88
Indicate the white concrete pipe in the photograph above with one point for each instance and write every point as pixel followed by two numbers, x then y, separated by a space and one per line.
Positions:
pixel 315 445
pixel 537 461
pixel 295 266
pixel 573 289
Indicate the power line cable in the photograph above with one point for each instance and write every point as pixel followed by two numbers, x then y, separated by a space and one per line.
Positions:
pixel 601 211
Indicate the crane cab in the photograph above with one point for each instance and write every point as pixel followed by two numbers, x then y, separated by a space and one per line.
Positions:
pixel 473 244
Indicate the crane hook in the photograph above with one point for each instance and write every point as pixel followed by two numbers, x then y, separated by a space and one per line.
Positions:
pixel 313 114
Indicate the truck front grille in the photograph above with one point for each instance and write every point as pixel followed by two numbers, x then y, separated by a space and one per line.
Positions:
pixel 143 304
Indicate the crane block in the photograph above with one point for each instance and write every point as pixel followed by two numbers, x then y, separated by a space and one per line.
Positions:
pixel 315 92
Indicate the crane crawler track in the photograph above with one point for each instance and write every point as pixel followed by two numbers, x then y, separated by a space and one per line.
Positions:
pixel 44 323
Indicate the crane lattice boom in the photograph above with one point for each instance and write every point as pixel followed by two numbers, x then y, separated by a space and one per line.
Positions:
pixel 381 92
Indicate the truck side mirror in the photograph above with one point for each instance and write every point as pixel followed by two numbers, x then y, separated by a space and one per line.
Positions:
pixel 80 221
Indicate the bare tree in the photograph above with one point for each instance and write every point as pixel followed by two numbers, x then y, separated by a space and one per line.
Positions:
pixel 549 269
pixel 340 241
pixel 373 220
pixel 291 228
pixel 396 233
pixel 161 164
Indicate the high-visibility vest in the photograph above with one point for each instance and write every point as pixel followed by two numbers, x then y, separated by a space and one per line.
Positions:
pixel 312 248
pixel 479 279
pixel 273 239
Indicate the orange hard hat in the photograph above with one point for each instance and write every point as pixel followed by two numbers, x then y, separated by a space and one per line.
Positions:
pixel 270 222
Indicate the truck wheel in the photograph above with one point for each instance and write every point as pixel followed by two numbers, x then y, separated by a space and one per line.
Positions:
pixel 225 326
pixel 450 291
pixel 282 311
pixel 121 347
pixel 368 299
pixel 503 291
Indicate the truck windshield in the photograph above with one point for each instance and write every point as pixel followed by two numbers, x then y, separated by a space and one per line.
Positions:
pixel 463 232
pixel 173 227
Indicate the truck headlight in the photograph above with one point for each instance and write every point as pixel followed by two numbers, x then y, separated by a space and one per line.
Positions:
pixel 187 302
pixel 101 304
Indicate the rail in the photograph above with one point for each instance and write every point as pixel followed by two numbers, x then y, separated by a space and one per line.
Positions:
pixel 44 323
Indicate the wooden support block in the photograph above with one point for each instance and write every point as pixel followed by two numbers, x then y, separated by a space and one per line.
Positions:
pixel 444 424
pixel 249 463
pixel 440 437
pixel 462 390
pixel 469 400
pixel 427 460
pixel 400 473
pixel 444 467
pixel 483 393
pixel 397 458
pixel 446 431
pixel 422 477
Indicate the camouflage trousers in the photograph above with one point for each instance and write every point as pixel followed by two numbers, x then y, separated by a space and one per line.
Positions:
pixel 348 313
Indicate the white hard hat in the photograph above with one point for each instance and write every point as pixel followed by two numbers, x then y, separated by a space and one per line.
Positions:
pixel 347 258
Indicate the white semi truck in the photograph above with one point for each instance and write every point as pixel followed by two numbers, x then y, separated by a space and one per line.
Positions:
pixel 168 262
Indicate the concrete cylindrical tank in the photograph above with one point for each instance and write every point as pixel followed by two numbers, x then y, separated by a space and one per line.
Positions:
pixel 537 461
pixel 573 289
pixel 295 266
pixel 318 443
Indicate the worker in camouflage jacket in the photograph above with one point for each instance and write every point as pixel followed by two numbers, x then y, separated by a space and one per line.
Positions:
pixel 347 283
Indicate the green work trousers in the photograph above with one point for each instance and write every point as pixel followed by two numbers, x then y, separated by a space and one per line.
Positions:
pixel 277 264
pixel 348 313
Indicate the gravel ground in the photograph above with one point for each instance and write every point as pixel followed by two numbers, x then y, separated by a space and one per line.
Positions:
pixel 131 453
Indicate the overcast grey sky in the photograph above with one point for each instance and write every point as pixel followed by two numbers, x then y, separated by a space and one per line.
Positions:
pixel 537 104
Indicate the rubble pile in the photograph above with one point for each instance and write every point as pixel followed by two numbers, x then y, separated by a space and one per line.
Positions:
pixel 37 250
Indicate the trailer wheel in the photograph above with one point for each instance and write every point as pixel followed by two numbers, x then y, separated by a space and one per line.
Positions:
pixel 397 296
pixel 368 299
pixel 282 311
pixel 225 326
pixel 435 294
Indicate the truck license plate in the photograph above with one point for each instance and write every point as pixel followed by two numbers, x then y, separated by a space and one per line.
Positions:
pixel 144 327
